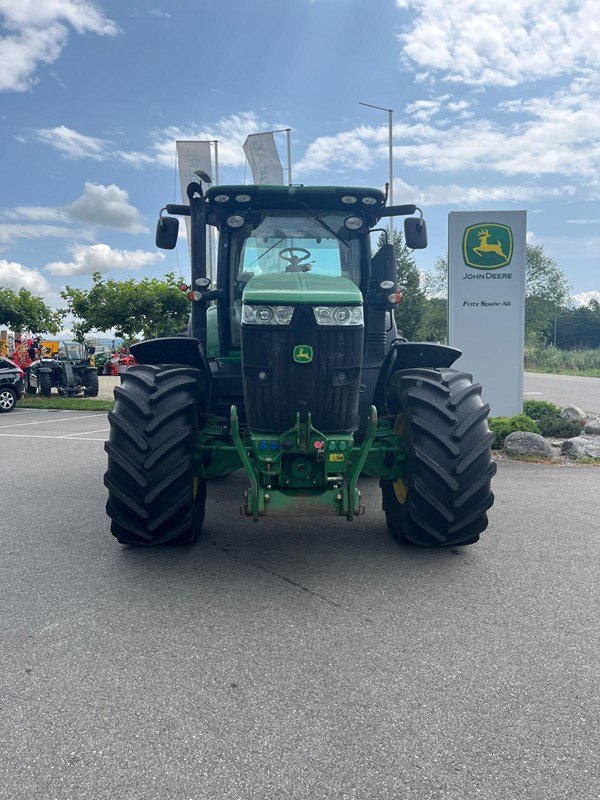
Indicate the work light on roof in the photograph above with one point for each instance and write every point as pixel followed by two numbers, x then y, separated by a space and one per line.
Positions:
pixel 235 221
pixel 353 223
pixel 348 199
pixel 243 198
pixel 369 201
pixel 221 198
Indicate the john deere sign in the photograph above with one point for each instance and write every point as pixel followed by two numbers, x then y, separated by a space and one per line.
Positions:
pixel 486 301
pixel 487 245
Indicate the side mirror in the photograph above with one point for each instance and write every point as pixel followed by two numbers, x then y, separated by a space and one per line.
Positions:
pixel 383 265
pixel 167 229
pixel 415 233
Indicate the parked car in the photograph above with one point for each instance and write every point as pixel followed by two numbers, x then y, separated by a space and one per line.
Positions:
pixel 11 384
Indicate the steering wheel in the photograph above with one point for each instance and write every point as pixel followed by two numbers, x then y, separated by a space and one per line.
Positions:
pixel 296 263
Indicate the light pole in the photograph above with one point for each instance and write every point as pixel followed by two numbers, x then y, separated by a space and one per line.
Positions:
pixel 390 112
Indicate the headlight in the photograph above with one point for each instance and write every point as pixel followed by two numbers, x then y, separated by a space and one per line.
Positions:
pixel 267 315
pixel 353 223
pixel 338 315
pixel 235 221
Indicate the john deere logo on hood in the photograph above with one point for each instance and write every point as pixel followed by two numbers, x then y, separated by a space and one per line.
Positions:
pixel 303 354
pixel 487 245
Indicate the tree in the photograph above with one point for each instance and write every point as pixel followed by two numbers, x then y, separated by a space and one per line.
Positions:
pixel 579 328
pixel 546 292
pixel 23 311
pixel 409 312
pixel 150 307
pixel 434 324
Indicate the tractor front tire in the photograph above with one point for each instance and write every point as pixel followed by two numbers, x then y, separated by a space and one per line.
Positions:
pixel 91 389
pixel 443 499
pixel 154 497
pixel 45 383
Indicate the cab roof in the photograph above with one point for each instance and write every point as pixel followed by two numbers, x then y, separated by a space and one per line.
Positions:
pixel 291 198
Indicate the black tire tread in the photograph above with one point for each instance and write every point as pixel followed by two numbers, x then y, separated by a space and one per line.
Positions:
pixel 150 478
pixel 449 458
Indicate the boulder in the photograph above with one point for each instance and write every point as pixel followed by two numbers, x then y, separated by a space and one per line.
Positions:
pixel 574 413
pixel 521 443
pixel 592 426
pixel 586 446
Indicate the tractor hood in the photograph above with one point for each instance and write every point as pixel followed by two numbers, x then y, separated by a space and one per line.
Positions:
pixel 301 287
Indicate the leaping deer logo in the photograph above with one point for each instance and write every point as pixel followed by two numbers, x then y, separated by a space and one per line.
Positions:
pixel 487 247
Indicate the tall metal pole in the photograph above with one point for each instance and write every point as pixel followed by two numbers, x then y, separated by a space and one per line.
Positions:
pixel 390 112
pixel 216 144
pixel 288 136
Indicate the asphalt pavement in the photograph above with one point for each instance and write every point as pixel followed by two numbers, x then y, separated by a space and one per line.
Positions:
pixel 564 390
pixel 304 659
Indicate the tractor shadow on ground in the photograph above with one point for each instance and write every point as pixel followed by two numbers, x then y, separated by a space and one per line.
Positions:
pixel 313 553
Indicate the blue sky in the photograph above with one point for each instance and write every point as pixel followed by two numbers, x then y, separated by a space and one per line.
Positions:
pixel 493 109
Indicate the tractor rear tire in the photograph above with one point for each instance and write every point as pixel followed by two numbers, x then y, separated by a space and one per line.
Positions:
pixel 45 383
pixel 444 498
pixel 91 389
pixel 154 497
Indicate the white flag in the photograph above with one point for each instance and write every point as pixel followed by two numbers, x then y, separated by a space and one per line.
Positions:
pixel 263 158
pixel 191 156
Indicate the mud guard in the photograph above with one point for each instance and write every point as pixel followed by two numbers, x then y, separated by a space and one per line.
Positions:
pixel 408 355
pixel 181 350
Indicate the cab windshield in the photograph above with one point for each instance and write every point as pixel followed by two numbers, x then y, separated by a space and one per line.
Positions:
pixel 72 351
pixel 288 243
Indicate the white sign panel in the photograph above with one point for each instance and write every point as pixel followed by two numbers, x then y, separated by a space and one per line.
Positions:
pixel 193 155
pixel 262 155
pixel 486 302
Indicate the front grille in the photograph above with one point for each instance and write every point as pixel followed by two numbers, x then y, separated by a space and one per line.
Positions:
pixel 327 387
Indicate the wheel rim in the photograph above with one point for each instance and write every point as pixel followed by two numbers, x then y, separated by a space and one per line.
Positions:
pixel 7 400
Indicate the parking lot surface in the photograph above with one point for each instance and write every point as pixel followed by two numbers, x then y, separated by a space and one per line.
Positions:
pixel 304 659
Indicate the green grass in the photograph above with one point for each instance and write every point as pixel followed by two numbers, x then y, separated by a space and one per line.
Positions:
pixel 563 362
pixel 66 403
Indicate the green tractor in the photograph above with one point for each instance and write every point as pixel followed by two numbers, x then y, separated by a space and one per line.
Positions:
pixel 71 371
pixel 293 371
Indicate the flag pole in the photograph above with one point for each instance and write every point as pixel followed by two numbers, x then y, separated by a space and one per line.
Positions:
pixel 390 112
pixel 288 134
pixel 216 144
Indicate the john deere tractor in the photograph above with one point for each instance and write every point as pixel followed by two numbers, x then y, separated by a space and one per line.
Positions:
pixel 293 371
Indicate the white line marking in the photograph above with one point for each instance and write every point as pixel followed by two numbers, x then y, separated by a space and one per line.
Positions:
pixel 533 393
pixel 41 436
pixel 83 433
pixel 44 421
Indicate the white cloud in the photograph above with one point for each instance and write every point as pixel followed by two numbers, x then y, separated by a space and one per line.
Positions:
pixel 72 144
pixel 10 231
pixel 35 213
pixel 16 276
pixel 459 195
pixel 558 135
pixel 423 110
pixel 479 43
pixel 35 32
pixel 582 221
pixel 102 258
pixel 230 132
pixel 584 298
pixel 107 206
pixel 157 12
